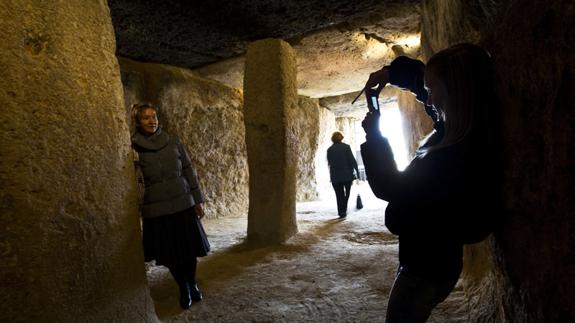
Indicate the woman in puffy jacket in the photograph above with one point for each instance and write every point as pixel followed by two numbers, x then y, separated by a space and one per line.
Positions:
pixel 449 193
pixel 171 209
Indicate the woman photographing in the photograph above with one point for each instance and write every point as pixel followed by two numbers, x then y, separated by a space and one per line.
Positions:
pixel 448 194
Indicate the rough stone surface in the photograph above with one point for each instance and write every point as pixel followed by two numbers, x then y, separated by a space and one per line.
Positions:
pixel 532 43
pixel 270 109
pixel 450 22
pixel 69 230
pixel 194 33
pixel 536 68
pixel 341 105
pixel 337 60
pixel 208 118
pixel 307 117
pixel 337 43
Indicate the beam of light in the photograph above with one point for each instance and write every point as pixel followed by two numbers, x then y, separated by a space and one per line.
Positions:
pixel 391 126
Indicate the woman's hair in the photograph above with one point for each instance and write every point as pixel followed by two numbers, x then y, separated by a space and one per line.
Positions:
pixel 467 73
pixel 136 112
pixel 336 137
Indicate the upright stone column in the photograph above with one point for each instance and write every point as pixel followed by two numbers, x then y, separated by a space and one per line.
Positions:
pixel 70 248
pixel 270 100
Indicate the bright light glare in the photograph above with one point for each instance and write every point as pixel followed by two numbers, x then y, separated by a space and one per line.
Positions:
pixel 391 126
pixel 410 40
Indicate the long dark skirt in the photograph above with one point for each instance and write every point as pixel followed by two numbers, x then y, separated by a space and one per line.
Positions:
pixel 174 239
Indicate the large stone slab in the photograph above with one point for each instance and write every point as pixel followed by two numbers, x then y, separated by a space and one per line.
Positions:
pixel 308 112
pixel 270 103
pixel 69 230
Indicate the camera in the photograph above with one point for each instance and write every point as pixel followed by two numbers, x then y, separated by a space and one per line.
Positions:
pixel 372 95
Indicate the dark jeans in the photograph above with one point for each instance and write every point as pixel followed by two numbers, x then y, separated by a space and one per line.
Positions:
pixel 412 298
pixel 342 195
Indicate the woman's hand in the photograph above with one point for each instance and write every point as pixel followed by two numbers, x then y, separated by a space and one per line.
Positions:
pixel 370 123
pixel 379 78
pixel 199 211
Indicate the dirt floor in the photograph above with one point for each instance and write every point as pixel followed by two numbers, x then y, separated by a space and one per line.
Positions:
pixel 333 270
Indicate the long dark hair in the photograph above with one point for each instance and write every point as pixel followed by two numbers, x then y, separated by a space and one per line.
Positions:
pixel 468 75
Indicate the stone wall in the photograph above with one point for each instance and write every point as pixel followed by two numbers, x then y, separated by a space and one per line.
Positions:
pixel 308 118
pixel 327 125
pixel 534 48
pixel 449 22
pixel 532 254
pixel 69 229
pixel 208 118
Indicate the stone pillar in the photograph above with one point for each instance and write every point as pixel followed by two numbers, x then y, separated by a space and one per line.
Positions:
pixel 270 100
pixel 70 243
pixel 308 134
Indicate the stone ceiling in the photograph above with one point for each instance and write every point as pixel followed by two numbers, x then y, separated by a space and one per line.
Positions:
pixel 337 42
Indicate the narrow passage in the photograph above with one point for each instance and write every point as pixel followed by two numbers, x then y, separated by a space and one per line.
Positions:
pixel 332 271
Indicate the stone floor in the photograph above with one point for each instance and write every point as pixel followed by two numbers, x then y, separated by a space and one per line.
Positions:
pixel 333 270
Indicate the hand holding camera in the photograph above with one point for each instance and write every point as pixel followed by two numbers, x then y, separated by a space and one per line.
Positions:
pixel 378 78
pixel 376 82
pixel 372 96
pixel 370 124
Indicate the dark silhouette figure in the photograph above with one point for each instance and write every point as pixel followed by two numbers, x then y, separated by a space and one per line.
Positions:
pixel 342 165
pixel 171 207
pixel 448 195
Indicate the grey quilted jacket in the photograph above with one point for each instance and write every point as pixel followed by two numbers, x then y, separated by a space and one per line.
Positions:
pixel 171 183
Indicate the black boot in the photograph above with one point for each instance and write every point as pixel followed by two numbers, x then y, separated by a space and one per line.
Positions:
pixel 190 276
pixel 195 293
pixel 185 298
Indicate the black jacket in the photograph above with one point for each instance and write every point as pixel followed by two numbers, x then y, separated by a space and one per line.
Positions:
pixel 428 204
pixel 341 162
pixel 433 201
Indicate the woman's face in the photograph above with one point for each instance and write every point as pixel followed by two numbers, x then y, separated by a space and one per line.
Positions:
pixel 436 93
pixel 149 121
